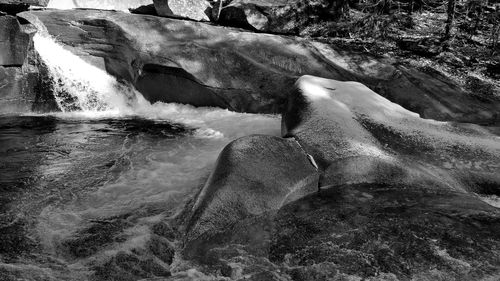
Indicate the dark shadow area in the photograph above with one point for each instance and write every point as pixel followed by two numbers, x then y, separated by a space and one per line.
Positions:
pixel 172 84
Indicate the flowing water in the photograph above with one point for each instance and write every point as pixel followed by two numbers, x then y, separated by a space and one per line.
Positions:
pixel 84 191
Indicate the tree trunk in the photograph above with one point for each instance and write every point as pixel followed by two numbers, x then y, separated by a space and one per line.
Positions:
pixel 449 21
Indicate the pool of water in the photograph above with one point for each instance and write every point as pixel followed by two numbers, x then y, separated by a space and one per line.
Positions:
pixel 78 189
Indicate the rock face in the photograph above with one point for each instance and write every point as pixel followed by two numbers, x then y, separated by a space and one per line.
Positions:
pixel 14 42
pixel 191 9
pixel 279 16
pixel 250 72
pixel 26 88
pixel 23 79
pixel 122 5
pixel 254 175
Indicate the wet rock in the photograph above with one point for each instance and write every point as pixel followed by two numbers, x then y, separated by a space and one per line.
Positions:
pixel 162 248
pixel 279 16
pixel 97 235
pixel 14 42
pixel 368 231
pixel 191 9
pixel 127 266
pixel 254 176
pixel 26 88
pixel 164 230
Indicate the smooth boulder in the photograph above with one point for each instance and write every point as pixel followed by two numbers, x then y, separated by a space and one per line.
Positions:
pixel 358 136
pixel 198 10
pixel 254 175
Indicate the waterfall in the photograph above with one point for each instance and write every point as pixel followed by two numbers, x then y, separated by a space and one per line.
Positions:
pixel 80 86
pixel 83 90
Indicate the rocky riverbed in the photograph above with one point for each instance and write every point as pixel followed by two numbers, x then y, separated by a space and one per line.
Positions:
pixel 382 171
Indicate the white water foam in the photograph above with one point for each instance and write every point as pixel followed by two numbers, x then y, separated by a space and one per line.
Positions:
pixel 86 91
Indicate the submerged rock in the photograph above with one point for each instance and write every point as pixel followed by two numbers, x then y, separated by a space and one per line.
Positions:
pixel 254 175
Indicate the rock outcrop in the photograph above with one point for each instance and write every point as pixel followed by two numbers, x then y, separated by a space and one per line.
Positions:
pixel 357 136
pixel 23 78
pixel 15 41
pixel 250 72
pixel 199 10
pixel 254 175
pixel 401 198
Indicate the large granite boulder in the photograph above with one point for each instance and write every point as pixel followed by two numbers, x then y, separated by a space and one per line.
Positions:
pixel 400 198
pixel 122 5
pixel 357 136
pixel 190 9
pixel 253 176
pixel 280 16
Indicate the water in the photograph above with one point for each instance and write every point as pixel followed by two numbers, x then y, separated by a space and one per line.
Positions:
pixel 86 192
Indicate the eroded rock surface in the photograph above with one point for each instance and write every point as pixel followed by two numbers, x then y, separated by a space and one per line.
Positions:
pixel 401 197
pixel 358 136
pixel 387 232
pixel 15 41
pixel 250 72
pixel 254 175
